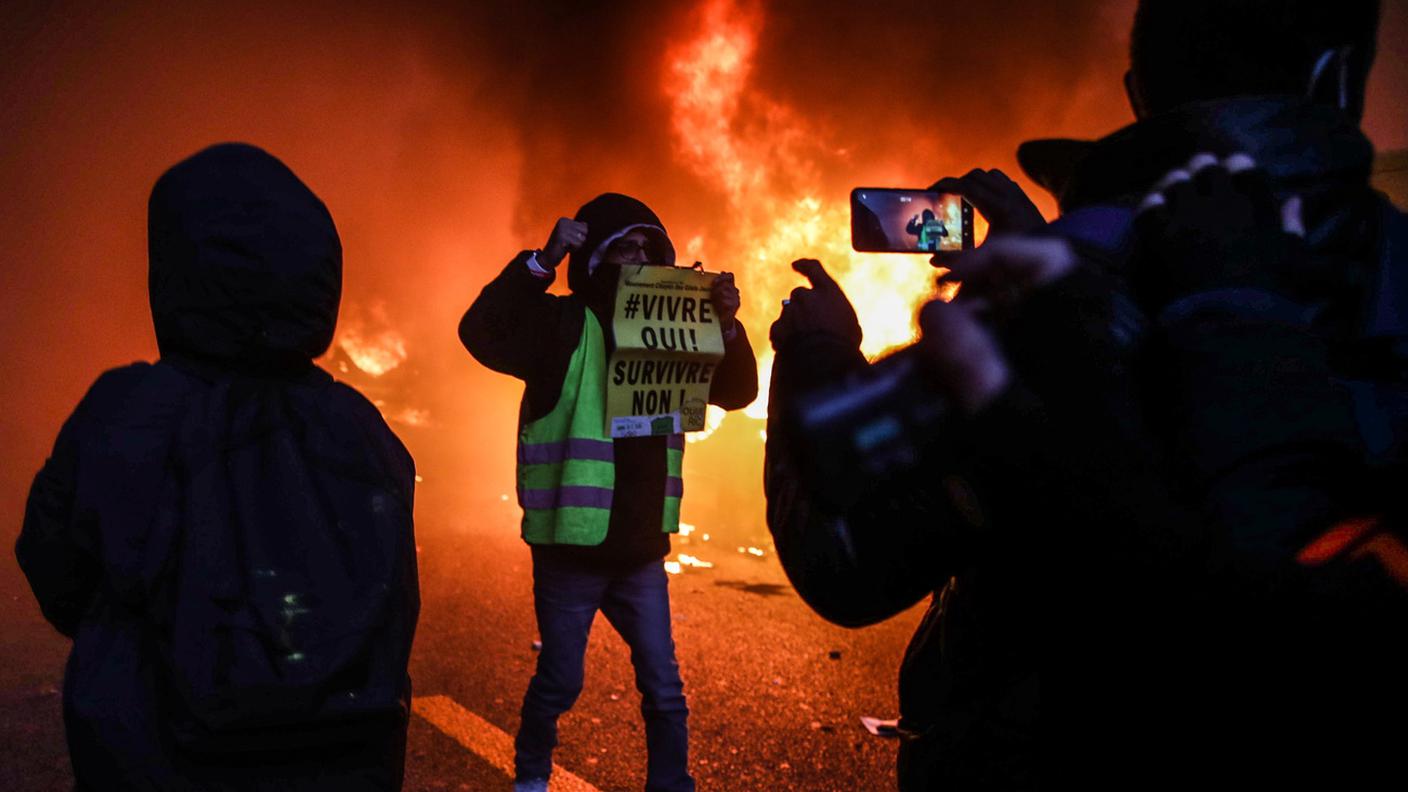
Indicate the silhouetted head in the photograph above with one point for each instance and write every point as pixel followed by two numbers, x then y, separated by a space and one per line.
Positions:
pixel 1193 50
pixel 620 230
pixel 245 265
pixel 927 216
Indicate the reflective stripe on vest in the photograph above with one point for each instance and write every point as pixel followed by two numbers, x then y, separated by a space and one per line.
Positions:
pixel 566 462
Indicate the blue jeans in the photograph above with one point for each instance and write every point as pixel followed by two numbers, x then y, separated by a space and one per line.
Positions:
pixel 637 603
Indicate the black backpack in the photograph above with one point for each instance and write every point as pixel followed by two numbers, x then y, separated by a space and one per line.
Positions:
pixel 285 615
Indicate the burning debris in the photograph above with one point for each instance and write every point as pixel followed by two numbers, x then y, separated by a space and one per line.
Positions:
pixel 685 560
pixel 371 354
pixel 370 341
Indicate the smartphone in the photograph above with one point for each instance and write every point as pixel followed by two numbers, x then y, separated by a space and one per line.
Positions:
pixel 891 220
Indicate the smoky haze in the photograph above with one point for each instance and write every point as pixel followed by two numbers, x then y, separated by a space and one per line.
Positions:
pixel 446 137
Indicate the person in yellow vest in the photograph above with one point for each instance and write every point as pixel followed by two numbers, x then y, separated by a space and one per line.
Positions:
pixel 597 512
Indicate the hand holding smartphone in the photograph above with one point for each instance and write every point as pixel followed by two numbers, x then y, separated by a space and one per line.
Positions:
pixel 891 220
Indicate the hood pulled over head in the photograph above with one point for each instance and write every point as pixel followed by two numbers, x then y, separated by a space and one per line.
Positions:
pixel 609 217
pixel 245 265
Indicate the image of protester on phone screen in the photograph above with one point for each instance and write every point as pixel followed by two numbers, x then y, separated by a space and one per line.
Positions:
pixel 928 228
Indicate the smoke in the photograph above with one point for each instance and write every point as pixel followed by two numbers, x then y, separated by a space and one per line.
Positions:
pixel 939 87
pixel 444 137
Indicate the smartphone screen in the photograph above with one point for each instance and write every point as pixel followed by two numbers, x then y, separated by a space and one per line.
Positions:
pixel 890 220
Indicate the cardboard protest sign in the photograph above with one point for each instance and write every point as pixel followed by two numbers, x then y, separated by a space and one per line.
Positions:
pixel 668 342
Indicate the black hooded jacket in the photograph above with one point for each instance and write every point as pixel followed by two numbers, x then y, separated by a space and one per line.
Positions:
pixel 515 327
pixel 245 281
pixel 1018 524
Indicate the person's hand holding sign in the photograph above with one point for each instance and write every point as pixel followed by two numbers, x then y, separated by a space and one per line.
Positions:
pixel 567 235
pixel 724 294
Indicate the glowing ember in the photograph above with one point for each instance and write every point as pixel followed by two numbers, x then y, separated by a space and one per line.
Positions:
pixel 767 160
pixel 684 560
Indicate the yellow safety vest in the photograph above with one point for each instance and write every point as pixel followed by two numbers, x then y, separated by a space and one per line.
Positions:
pixel 566 461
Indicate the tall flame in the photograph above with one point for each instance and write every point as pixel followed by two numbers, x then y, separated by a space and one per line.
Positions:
pixel 767 162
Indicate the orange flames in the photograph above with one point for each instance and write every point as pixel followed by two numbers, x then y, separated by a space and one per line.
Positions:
pixel 365 350
pixel 713 419
pixel 371 343
pixel 767 162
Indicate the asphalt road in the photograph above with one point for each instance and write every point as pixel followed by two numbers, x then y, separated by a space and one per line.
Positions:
pixel 775 693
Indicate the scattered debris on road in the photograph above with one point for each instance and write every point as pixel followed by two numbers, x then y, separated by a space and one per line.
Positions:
pixel 880 728
pixel 686 560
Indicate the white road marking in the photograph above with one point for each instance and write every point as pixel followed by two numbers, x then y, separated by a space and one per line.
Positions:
pixel 485 739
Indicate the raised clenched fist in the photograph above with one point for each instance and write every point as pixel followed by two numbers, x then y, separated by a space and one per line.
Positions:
pixel 567 235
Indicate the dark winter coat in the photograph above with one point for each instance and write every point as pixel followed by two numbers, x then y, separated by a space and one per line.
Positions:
pixel 1282 424
pixel 1018 514
pixel 515 327
pixel 245 280
pixel 1079 633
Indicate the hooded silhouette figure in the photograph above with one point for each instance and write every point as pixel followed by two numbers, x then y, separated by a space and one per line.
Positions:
pixel 226 534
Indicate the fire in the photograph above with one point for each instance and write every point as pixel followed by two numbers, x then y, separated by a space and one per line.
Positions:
pixel 371 343
pixel 713 419
pixel 412 416
pixel 768 161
